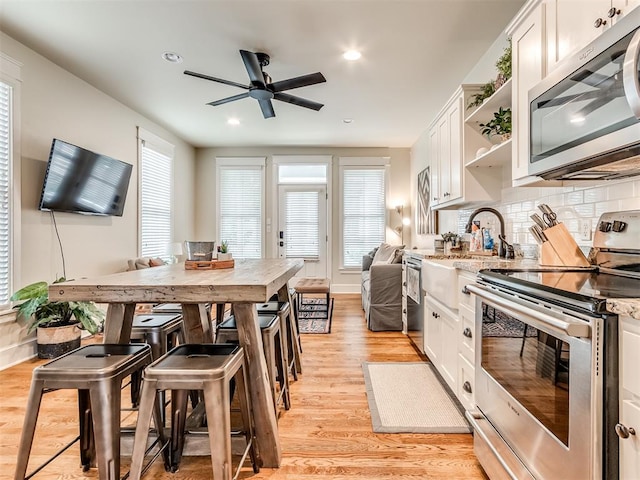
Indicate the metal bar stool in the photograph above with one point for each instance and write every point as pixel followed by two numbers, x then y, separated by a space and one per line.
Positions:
pixel 161 332
pixel 207 367
pixel 274 350
pixel 96 371
pixel 292 354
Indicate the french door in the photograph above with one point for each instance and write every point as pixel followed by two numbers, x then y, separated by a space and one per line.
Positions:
pixel 302 228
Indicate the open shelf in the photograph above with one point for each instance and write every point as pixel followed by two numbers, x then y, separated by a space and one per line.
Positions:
pixel 497 157
pixel 484 113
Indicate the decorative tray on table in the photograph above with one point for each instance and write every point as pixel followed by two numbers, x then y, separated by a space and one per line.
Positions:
pixel 208 264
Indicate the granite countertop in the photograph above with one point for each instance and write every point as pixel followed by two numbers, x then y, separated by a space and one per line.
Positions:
pixel 628 307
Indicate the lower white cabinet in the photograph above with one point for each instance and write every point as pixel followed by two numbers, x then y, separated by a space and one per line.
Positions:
pixel 441 340
pixel 629 398
pixel 466 383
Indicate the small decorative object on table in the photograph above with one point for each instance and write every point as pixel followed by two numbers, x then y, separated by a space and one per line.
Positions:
pixel 451 242
pixel 223 251
pixel 208 264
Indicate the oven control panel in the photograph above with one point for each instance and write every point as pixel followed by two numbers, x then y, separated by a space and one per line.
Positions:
pixel 618 230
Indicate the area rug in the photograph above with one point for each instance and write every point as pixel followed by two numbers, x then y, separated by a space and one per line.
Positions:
pixel 311 319
pixel 411 398
pixel 503 326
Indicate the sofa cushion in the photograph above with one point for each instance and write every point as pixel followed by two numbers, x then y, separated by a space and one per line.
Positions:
pixel 388 254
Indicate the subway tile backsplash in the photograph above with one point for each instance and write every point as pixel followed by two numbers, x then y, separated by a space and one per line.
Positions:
pixel 574 205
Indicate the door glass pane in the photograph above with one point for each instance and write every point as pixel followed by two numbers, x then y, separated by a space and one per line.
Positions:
pixel 531 365
pixel 587 104
pixel 302 225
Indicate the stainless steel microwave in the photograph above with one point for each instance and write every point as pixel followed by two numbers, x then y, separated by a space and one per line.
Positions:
pixel 584 118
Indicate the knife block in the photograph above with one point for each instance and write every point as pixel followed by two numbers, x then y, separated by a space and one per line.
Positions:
pixel 561 250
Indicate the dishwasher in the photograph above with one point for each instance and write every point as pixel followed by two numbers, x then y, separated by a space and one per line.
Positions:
pixel 415 301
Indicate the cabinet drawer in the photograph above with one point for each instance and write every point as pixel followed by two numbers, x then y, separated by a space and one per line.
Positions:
pixel 630 447
pixel 630 359
pixel 466 299
pixel 466 340
pixel 466 384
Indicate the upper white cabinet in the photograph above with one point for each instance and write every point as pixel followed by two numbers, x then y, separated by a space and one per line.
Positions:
pixel 527 59
pixel 451 144
pixel 572 24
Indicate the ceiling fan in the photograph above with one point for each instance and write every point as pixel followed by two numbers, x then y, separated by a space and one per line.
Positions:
pixel 262 88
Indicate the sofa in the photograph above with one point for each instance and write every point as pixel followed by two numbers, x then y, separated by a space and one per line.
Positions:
pixel 381 288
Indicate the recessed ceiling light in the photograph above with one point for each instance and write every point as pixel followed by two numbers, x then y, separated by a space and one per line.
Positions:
pixel 351 55
pixel 172 57
pixel 347 120
pixel 233 121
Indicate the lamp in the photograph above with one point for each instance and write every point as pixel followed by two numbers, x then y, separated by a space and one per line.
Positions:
pixel 400 228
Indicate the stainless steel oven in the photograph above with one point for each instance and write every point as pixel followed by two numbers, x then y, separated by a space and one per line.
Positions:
pixel 585 116
pixel 547 361
pixel 415 300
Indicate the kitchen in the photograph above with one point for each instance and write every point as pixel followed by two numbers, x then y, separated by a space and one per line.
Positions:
pixel 569 134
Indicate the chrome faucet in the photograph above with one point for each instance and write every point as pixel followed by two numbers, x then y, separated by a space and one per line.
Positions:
pixel 505 250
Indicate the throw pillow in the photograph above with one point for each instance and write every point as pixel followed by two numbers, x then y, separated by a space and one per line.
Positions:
pixel 385 254
pixel 156 262
pixel 397 258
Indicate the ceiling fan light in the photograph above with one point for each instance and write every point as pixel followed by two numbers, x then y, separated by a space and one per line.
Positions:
pixel 233 121
pixel 351 55
pixel 172 57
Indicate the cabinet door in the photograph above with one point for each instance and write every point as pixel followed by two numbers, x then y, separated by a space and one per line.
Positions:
pixel 630 447
pixel 434 151
pixel 570 25
pixel 432 333
pixel 528 70
pixel 449 356
pixel 454 117
pixel 444 154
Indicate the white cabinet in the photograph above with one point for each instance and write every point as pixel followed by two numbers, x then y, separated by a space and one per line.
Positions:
pixel 451 144
pixel 572 24
pixel 527 44
pixel 630 398
pixel 441 340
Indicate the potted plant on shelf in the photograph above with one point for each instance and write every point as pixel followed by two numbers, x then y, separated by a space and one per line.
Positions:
pixel 504 67
pixel 223 251
pixel 57 324
pixel 486 91
pixel 499 125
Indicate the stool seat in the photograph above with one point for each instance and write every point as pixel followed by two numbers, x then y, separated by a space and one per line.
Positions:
pixel 144 323
pixel 271 307
pixel 265 321
pixel 96 372
pixel 288 321
pixel 313 285
pixel 209 368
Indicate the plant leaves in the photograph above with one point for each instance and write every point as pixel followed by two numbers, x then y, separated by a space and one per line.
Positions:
pixel 34 290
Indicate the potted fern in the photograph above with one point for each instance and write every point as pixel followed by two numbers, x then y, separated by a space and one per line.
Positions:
pixel 499 125
pixel 57 324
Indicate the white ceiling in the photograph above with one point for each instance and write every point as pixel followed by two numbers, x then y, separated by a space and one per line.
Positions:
pixel 414 54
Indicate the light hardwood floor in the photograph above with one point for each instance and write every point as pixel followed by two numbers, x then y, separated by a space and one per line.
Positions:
pixel 326 434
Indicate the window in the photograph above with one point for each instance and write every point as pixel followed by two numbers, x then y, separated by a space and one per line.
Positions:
pixel 363 187
pixel 240 195
pixel 302 224
pixel 9 178
pixel 156 172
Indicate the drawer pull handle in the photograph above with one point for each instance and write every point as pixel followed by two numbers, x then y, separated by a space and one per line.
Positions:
pixel 466 386
pixel 404 310
pixel 623 431
pixel 467 333
pixel 465 290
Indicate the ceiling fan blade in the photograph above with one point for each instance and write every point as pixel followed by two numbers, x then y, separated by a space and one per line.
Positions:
pixel 297 82
pixel 253 67
pixel 214 79
pixel 228 99
pixel 301 102
pixel 267 108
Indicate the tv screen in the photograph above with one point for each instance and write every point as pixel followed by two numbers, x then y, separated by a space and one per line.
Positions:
pixel 81 181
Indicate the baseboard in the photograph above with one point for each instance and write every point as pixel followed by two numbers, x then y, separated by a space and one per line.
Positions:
pixel 18 353
pixel 345 288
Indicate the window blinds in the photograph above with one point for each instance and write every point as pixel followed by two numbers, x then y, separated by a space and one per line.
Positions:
pixel 5 193
pixel 302 224
pixel 240 195
pixel 363 201
pixel 155 202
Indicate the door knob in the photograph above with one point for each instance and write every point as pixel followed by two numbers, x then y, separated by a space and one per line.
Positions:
pixel 467 332
pixel 613 11
pixel 623 431
pixel 466 386
pixel 599 22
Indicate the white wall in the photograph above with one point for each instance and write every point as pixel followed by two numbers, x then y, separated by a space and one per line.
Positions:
pixel 55 103
pixel 399 177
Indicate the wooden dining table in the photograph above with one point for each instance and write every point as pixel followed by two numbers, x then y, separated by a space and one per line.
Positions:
pixel 248 283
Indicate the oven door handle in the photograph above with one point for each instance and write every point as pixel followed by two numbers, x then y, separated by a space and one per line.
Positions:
pixel 630 74
pixel 533 317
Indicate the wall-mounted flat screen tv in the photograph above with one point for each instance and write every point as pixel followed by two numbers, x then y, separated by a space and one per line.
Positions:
pixel 81 181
